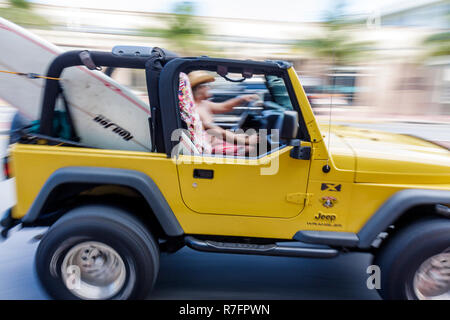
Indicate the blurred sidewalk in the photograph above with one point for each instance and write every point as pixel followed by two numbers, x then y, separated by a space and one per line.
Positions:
pixel 434 128
pixel 348 114
pixel 366 115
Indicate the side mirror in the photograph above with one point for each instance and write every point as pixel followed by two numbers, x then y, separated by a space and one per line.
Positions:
pixel 300 152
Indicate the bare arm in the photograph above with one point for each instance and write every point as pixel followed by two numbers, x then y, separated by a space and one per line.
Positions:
pixel 226 106
pixel 204 112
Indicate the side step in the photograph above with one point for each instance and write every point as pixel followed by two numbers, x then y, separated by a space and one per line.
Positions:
pixel 261 249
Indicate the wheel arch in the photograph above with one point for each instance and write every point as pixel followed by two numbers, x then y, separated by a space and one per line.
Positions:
pixel 89 177
pixel 401 208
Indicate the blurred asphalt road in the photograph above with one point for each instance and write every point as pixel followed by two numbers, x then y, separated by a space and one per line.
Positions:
pixel 194 275
pixel 188 274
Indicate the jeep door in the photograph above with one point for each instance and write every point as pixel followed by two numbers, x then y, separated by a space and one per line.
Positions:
pixel 269 185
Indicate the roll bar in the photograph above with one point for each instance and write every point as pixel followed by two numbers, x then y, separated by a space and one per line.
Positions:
pixel 100 59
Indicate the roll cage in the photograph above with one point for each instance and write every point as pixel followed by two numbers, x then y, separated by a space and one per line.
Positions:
pixel 161 67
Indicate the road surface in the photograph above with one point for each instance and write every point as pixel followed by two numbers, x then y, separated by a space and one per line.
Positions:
pixel 188 274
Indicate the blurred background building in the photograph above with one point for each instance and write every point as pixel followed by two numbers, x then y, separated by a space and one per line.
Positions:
pixel 392 61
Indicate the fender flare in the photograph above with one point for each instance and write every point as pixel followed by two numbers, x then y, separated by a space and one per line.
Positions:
pixel 392 209
pixel 124 177
pixel 395 207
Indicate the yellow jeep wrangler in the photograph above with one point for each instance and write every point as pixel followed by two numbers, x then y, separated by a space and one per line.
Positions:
pixel 309 191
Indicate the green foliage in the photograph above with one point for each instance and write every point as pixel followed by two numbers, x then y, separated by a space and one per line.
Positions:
pixel 20 12
pixel 23 4
pixel 183 30
pixel 439 43
pixel 336 45
pixel 183 24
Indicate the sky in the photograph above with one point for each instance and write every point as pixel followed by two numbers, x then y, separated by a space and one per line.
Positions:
pixel 280 10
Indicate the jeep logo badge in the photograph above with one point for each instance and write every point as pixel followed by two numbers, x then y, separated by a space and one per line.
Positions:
pixel 327 217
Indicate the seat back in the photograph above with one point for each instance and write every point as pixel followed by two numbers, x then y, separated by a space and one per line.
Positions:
pixel 191 117
pixel 186 146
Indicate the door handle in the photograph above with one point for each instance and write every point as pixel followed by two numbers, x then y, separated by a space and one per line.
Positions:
pixel 203 174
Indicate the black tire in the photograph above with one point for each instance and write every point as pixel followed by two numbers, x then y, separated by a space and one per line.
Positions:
pixel 403 254
pixel 107 225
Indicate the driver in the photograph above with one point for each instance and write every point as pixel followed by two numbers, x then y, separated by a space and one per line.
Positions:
pixel 221 138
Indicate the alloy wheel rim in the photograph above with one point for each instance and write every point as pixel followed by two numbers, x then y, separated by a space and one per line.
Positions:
pixel 432 279
pixel 93 270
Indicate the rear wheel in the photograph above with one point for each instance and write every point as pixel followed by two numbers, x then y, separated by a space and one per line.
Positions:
pixel 415 262
pixel 97 252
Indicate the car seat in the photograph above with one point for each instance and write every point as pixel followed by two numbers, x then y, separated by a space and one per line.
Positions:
pixel 198 136
pixel 191 117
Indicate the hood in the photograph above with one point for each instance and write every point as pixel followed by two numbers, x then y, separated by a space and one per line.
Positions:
pixel 383 157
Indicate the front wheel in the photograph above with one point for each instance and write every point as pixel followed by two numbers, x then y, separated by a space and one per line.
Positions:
pixel 97 252
pixel 415 262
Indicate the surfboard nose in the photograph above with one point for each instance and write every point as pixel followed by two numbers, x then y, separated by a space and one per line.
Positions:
pixel 88 93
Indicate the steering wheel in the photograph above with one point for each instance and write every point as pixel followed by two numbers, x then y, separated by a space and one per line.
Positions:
pixel 270 105
pixel 271 110
pixel 245 115
pixel 242 119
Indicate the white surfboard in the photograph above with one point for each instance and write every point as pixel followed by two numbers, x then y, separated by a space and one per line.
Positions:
pixel 105 113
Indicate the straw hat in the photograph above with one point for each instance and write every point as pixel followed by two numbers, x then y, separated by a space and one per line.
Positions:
pixel 199 77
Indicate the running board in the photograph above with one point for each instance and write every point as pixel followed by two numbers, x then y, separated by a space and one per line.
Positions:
pixel 260 249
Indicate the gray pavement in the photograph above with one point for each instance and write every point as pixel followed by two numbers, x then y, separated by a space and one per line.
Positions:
pixel 188 274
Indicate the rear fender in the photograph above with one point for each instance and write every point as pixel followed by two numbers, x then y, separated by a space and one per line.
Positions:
pixel 136 180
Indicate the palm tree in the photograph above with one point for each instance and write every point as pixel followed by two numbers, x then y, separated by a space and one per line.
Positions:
pixel 439 43
pixel 24 4
pixel 183 29
pixel 336 45
pixel 336 48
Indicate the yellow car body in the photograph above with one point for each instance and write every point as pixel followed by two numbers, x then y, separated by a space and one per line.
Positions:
pixel 368 166
pixel 321 192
